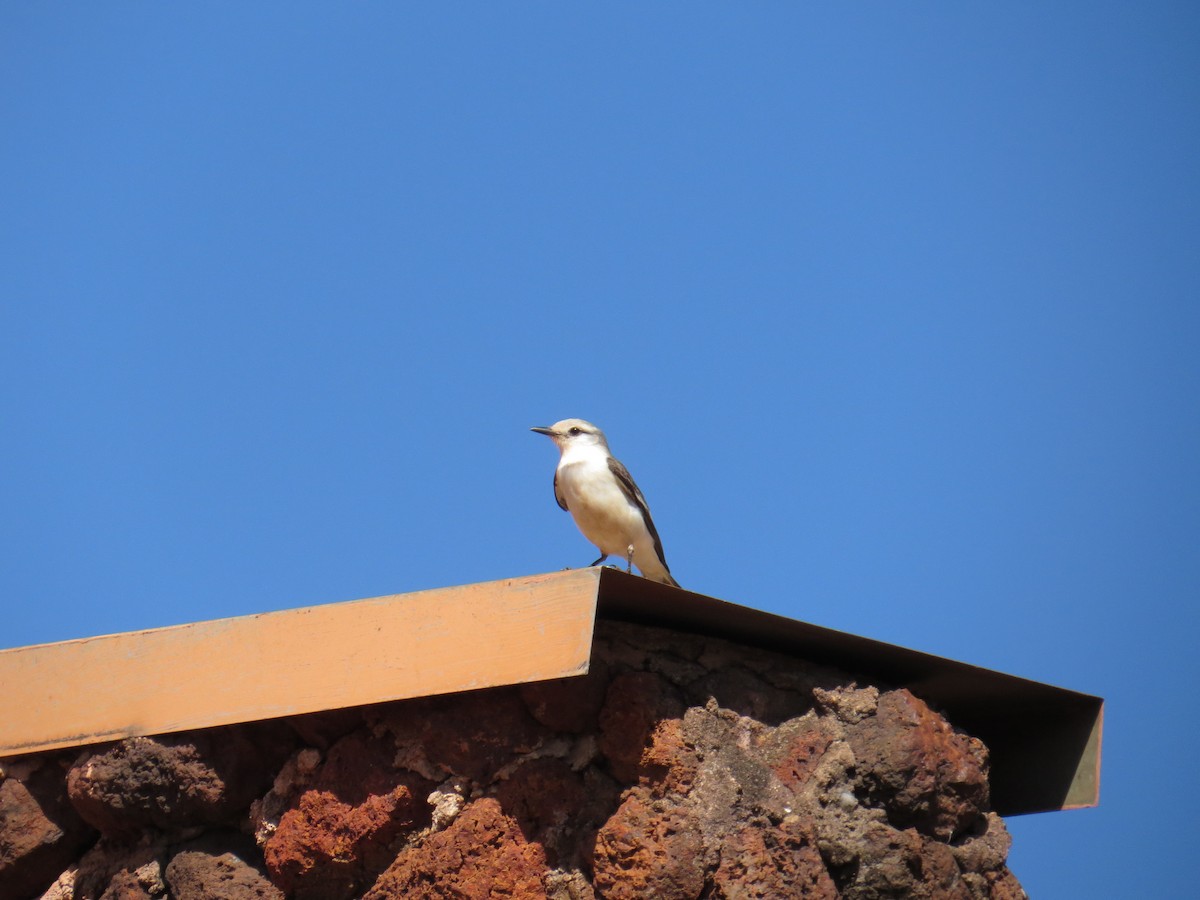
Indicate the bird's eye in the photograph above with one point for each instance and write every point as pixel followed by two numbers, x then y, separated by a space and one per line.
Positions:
pixel 575 429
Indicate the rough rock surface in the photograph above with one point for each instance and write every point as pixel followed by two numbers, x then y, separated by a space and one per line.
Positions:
pixel 337 835
pixel 680 767
pixel 215 867
pixel 173 782
pixel 40 832
pixel 482 854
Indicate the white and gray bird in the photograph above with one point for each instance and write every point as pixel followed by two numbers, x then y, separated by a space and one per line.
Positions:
pixel 601 496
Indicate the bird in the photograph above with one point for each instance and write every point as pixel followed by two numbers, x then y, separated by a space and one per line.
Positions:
pixel 602 498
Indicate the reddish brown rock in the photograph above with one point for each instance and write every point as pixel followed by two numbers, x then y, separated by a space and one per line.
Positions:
pixel 173 782
pixel 359 766
pixel 794 749
pixel 549 803
pixel 1003 885
pixel 219 867
pixel 40 832
pixel 483 854
pixel 985 850
pixel 559 808
pixel 766 862
pixel 649 849
pixel 471 735
pixel 981 858
pixel 313 851
pixel 569 704
pixel 634 705
pixel 669 763
pixel 121 871
pixel 895 863
pixel 338 836
pixel 126 886
pixel 318 848
pixel 925 774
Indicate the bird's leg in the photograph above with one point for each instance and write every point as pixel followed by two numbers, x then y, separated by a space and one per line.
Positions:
pixel 629 561
pixel 603 557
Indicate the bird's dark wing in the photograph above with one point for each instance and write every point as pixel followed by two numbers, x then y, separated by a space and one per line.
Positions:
pixel 562 501
pixel 635 495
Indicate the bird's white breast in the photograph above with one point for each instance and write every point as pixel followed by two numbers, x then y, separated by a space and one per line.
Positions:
pixel 600 508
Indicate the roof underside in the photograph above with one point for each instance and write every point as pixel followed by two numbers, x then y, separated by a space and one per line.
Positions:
pixel 1044 741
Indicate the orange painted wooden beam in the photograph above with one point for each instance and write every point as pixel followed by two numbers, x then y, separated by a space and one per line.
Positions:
pixel 296 661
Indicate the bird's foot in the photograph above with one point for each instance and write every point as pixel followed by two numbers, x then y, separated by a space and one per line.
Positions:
pixel 629 561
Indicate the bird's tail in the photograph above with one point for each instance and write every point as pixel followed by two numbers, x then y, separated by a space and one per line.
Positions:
pixel 667 579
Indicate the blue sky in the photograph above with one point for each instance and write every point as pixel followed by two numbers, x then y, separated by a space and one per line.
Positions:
pixel 893 311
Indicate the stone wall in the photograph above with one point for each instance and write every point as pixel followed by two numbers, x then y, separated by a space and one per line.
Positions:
pixel 680 767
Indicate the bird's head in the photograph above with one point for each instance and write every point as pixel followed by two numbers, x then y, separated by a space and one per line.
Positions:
pixel 574 433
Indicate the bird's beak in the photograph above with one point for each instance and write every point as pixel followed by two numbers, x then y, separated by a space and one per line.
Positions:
pixel 549 432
